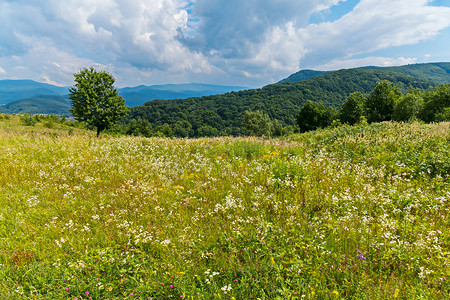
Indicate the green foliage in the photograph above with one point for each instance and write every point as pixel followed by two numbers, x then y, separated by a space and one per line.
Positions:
pixel 257 123
pixel 437 72
pixel 29 120
pixel 302 75
pixel 95 101
pixel 408 108
pixel 280 102
pixel 353 108
pixel 164 131
pixel 314 115
pixel 207 131
pixel 443 116
pixel 381 101
pixel 139 127
pixel 436 101
pixel 183 129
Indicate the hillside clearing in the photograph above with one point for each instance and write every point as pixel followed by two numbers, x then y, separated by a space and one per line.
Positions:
pixel 353 212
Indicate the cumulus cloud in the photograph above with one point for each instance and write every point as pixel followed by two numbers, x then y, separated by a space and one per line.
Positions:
pixel 139 33
pixel 45 63
pixel 374 25
pixel 233 41
pixel 259 39
pixel 233 28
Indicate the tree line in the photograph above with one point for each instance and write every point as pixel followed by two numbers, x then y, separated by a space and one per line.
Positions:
pixel 384 103
pixel 270 111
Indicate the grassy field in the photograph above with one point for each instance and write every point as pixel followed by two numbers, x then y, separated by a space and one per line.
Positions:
pixel 347 213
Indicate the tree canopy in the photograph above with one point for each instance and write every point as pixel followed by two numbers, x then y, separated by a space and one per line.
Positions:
pixel 95 100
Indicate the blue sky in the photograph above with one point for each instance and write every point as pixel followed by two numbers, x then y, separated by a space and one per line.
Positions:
pixel 234 42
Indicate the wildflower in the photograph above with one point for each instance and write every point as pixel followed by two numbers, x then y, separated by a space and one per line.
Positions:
pixel 396 293
pixel 336 293
pixel 226 288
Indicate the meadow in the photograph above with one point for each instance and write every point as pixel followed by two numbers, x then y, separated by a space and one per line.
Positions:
pixel 357 212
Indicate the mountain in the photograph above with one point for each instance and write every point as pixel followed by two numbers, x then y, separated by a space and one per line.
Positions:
pixel 222 114
pixel 11 90
pixel 438 72
pixel 302 75
pixel 135 96
pixel 31 96
pixel 41 104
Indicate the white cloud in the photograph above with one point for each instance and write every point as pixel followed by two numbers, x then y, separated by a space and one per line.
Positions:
pixel 374 25
pixel 235 41
pixel 46 63
pixel 138 32
pixel 234 28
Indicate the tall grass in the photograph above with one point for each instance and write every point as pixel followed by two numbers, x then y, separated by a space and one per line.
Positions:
pixel 353 212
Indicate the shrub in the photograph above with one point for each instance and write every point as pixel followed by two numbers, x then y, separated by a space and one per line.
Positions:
pixel 28 120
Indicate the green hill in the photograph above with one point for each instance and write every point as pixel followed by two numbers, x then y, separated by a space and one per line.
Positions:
pixel 222 114
pixel 439 72
pixel 302 75
pixel 42 104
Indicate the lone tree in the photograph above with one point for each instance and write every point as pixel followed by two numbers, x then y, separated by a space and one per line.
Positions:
pixel 95 100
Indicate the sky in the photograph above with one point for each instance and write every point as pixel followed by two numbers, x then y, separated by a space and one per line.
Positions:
pixel 234 42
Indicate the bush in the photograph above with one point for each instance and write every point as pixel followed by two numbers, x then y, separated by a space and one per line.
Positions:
pixel 28 120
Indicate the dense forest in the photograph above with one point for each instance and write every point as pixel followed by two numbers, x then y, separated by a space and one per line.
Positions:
pixel 224 114
pixel 438 72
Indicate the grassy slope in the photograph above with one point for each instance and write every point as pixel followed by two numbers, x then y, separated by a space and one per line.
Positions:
pixel 353 212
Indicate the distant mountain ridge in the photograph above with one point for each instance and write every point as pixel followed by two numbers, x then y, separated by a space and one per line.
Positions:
pixel 330 87
pixel 11 90
pixel 41 104
pixel 139 95
pixel 18 96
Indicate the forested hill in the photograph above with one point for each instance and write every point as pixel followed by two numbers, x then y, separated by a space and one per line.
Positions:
pixel 439 72
pixel 222 114
pixel 302 75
